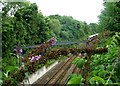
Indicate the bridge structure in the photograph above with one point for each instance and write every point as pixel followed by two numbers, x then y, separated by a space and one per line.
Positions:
pixel 57 44
pixel 62 69
pixel 58 75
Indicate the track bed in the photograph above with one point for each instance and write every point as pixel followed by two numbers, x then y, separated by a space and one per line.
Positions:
pixel 58 75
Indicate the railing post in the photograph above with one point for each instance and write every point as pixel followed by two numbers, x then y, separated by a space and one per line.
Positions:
pixel 19 51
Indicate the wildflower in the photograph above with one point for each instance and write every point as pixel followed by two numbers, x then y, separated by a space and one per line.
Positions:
pixel 35 58
pixel 38 57
pixel 32 59
pixel 21 51
pixel 18 50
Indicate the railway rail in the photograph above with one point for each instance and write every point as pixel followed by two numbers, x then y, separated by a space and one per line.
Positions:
pixel 58 75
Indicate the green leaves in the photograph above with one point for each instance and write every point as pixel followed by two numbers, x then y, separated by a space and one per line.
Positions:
pixel 11 68
pixel 97 80
pixel 105 68
pixel 102 73
pixel 109 17
pixel 49 62
pixel 117 69
pixel 79 62
pixel 75 79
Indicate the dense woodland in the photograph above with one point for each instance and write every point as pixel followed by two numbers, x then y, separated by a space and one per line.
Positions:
pixel 24 24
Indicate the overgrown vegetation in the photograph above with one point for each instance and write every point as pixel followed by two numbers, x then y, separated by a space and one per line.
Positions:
pixel 24 24
pixel 100 69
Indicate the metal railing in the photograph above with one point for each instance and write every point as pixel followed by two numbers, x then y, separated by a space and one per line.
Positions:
pixel 57 44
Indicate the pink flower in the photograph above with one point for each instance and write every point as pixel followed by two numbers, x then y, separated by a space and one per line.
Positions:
pixel 38 57
pixel 32 59
pixel 35 58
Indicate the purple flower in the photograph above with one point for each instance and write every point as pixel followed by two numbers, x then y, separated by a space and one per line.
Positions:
pixel 21 51
pixel 32 59
pixel 18 49
pixel 38 57
pixel 35 58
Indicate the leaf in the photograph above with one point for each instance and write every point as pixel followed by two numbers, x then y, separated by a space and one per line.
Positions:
pixel 75 61
pixel 94 72
pixel 101 67
pixel 109 67
pixel 74 75
pixel 97 79
pixel 26 75
pixel 110 82
pixel 11 68
pixel 1 81
pixel 6 74
pixel 79 62
pixel 102 73
pixel 117 69
pixel 75 80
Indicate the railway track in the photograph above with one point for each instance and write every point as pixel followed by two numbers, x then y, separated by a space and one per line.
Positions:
pixel 59 74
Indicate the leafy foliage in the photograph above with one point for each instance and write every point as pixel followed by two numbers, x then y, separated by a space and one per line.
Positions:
pixel 75 80
pixel 110 17
pixel 22 23
pixel 104 67
pixel 97 80
pixel 80 62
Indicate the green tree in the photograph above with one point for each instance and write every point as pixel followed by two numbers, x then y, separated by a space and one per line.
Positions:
pixel 55 26
pixel 8 30
pixel 93 27
pixel 110 16
pixel 69 26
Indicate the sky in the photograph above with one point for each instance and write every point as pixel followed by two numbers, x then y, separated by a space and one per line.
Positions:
pixel 82 10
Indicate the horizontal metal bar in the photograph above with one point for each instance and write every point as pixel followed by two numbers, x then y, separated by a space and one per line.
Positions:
pixel 59 43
